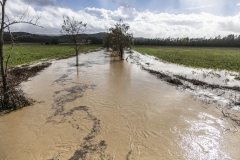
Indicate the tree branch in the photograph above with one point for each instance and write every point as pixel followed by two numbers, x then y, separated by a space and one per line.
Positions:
pixel 26 22
pixel 24 18
pixel 6 67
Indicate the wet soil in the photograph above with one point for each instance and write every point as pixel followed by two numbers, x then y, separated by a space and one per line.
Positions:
pixel 110 109
pixel 19 74
pixel 15 76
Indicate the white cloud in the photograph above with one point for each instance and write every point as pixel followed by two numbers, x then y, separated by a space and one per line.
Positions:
pixel 238 4
pixel 142 23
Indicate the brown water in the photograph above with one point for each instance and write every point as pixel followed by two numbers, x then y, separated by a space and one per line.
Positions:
pixel 109 109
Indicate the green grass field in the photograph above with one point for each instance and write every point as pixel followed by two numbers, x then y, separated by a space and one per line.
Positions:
pixel 27 54
pixel 198 57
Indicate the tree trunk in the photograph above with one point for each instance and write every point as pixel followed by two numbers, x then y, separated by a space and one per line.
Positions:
pixel 76 58
pixel 121 52
pixel 76 50
pixel 3 74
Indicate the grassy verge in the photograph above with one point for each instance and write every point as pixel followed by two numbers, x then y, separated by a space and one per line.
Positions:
pixel 26 54
pixel 198 57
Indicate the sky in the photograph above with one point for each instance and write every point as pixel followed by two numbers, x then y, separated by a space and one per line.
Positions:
pixel 147 18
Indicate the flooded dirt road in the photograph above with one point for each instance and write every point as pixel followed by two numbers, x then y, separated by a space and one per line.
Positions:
pixel 107 109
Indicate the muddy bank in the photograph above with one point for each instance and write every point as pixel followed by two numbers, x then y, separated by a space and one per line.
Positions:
pixel 206 85
pixel 15 76
pixel 106 109
pixel 19 74
pixel 164 77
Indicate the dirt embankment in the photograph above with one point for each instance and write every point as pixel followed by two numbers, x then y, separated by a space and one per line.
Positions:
pixel 177 80
pixel 20 74
pixel 17 98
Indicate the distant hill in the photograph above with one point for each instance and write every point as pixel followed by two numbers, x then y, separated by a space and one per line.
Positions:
pixel 24 37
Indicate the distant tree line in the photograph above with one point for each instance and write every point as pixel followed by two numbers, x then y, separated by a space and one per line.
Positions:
pixel 21 37
pixel 27 38
pixel 94 40
pixel 227 41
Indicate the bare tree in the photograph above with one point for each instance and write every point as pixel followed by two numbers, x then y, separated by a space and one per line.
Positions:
pixel 120 37
pixel 74 29
pixel 6 23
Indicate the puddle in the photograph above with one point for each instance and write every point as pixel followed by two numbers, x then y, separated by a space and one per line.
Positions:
pixel 107 109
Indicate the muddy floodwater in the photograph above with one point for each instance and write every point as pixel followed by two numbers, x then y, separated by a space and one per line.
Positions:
pixel 109 109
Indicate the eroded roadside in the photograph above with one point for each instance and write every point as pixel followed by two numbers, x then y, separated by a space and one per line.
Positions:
pixel 15 76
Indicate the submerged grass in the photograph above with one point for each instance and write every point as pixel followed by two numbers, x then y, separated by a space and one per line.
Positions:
pixel 26 54
pixel 198 57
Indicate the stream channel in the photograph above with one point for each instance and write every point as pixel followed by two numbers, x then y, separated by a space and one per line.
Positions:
pixel 110 109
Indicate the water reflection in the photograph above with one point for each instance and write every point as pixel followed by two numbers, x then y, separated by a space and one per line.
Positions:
pixel 203 138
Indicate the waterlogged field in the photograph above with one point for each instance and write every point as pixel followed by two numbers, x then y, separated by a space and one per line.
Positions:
pixel 25 54
pixel 198 57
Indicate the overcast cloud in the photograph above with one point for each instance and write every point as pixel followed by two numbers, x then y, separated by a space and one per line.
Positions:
pixel 143 23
